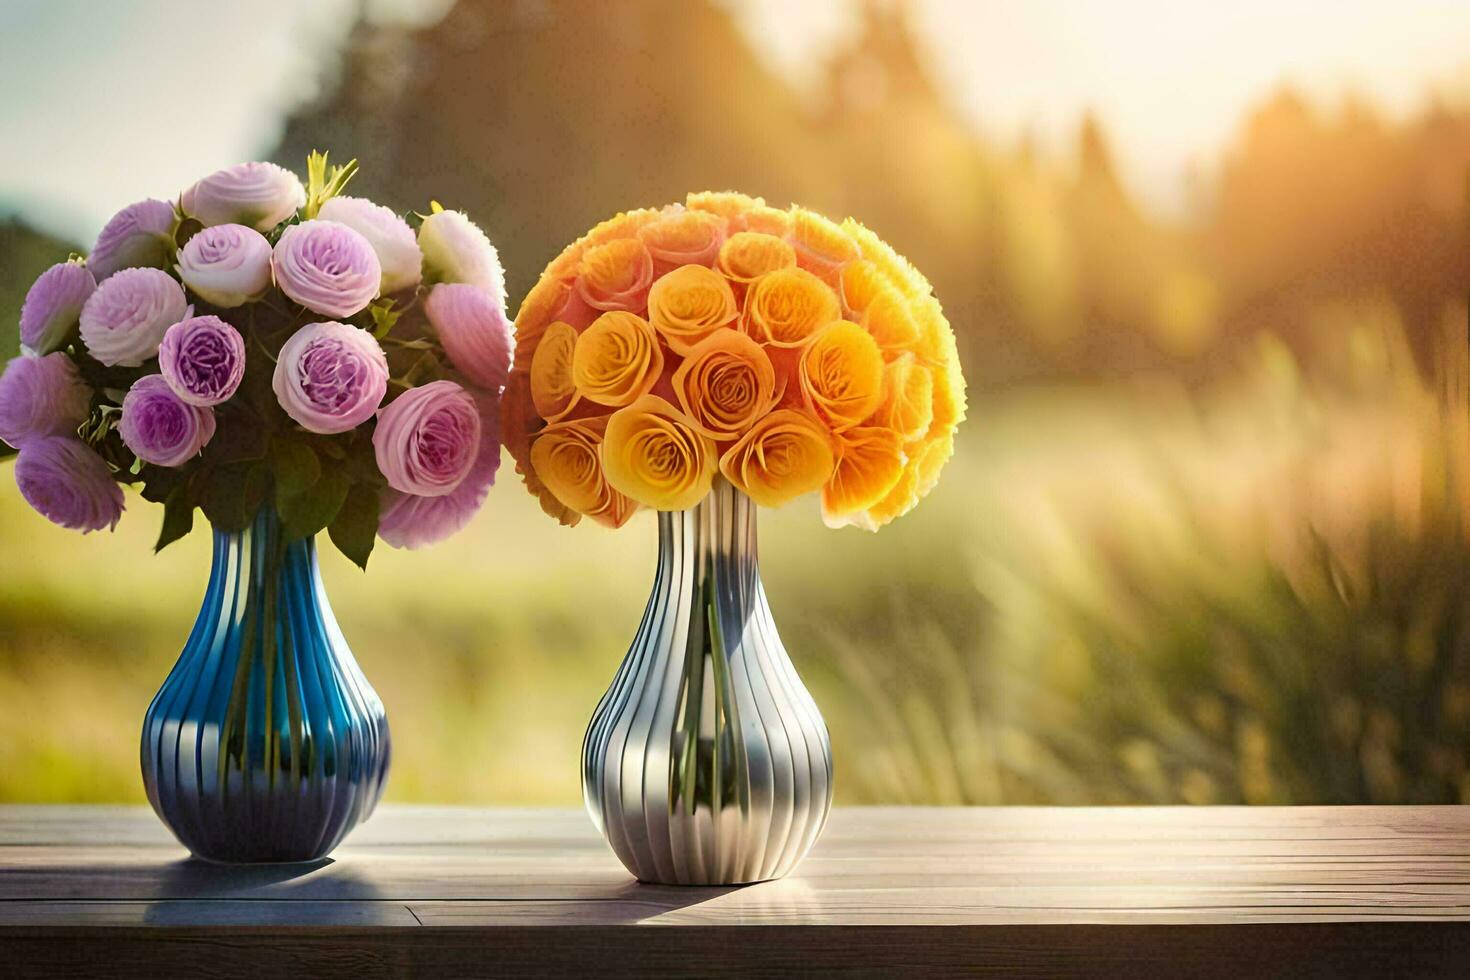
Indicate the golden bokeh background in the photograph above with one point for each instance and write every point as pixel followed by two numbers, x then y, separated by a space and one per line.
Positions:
pixel 1204 538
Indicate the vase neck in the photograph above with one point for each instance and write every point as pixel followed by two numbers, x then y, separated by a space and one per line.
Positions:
pixel 719 531
pixel 260 551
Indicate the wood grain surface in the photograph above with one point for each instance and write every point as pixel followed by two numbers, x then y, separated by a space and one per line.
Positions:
pixel 1310 891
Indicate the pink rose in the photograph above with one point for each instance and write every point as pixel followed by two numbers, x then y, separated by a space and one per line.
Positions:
pixel 68 484
pixel 391 237
pixel 408 521
pixel 326 267
pixel 330 377
pixel 159 426
pixel 260 195
pixel 125 319
pixel 42 396
pixel 427 439
pixel 474 331
pixel 227 265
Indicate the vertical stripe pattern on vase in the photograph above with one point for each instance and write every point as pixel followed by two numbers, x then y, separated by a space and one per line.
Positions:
pixel 707 761
pixel 266 742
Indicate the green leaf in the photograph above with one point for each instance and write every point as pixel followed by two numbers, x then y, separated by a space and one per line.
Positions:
pixel 178 518
pixel 324 182
pixel 295 466
pixel 306 513
pixel 355 528
pixel 233 494
pixel 384 317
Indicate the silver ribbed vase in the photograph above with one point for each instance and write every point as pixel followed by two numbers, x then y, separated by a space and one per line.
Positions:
pixel 707 762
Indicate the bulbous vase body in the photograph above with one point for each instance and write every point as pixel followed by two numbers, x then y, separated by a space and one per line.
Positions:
pixel 707 761
pixel 265 743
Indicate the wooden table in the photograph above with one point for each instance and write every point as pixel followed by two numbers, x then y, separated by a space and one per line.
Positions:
pixel 93 891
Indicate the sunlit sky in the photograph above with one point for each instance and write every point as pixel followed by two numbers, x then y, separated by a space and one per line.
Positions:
pixel 103 103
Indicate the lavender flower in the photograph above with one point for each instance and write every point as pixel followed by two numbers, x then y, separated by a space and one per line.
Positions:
pixel 124 320
pixel 390 236
pixel 408 521
pixel 42 396
pixel 52 306
pixel 330 377
pixel 227 265
pixel 474 331
pixel 139 235
pixel 427 439
pixel 260 195
pixel 161 428
pixel 326 267
pixel 203 360
pixel 68 484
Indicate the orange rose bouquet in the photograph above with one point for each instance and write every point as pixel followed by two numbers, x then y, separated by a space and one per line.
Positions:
pixel 783 351
pixel 701 360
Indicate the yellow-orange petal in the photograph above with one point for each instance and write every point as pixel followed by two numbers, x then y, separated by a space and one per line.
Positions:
pixel 788 306
pixel 930 459
pixel 898 502
pixel 553 390
pixel 908 398
pixel 726 204
pixel 897 268
pixel 935 343
pixel 766 220
pixel 949 399
pixel 653 454
pixel 622 225
pixel 841 374
pixel 688 304
pixel 540 307
pixel 784 455
pixel 870 462
pixel 822 247
pixel 617 359
pixel 616 275
pixel 683 237
pixel 888 319
pixel 859 282
pixel 725 384
pixel 567 459
pixel 748 255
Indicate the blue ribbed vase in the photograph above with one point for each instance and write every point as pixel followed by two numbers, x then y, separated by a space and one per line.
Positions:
pixel 265 743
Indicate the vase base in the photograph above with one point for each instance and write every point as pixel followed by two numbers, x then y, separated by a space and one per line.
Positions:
pixel 708 884
pixel 220 862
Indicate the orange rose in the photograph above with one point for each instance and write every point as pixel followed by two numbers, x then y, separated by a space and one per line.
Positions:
pixel 725 383
pixel 870 463
pixel 684 237
pixel 897 268
pixel 538 309
pixel 787 306
pixel 888 319
pixel 935 342
pixel 617 359
pixel 726 204
pixel 566 458
pixel 949 399
pixel 623 225
pixel 767 221
pixel 553 392
pixel 841 374
pixel 822 247
pixel 653 454
pixel 898 501
pixel 688 304
pixel 748 255
pixel 908 398
pixel 784 455
pixel 859 282
pixel 615 275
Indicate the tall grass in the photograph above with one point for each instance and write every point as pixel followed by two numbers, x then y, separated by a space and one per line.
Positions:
pixel 1255 593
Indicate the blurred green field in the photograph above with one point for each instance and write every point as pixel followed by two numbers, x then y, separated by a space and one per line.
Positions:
pixel 1135 594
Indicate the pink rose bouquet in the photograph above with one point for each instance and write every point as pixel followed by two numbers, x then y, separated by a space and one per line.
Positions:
pixel 265 342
